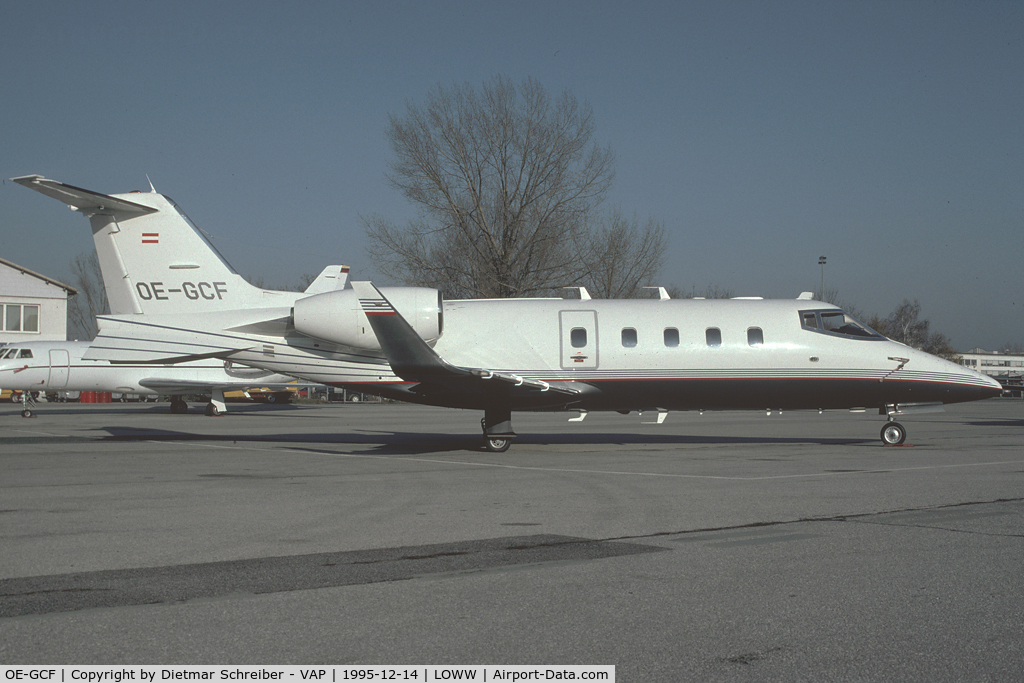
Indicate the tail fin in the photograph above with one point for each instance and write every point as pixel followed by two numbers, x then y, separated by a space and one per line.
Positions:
pixel 153 259
pixel 332 278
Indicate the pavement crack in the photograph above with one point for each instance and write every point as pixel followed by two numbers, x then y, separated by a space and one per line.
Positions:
pixel 859 517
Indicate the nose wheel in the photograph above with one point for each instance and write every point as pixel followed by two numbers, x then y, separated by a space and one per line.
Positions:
pixel 893 434
pixel 28 402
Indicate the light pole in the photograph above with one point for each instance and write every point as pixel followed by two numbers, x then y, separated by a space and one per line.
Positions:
pixel 821 262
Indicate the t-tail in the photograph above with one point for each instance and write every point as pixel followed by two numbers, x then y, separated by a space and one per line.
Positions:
pixel 154 260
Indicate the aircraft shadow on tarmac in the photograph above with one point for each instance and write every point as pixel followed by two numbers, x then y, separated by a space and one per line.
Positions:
pixel 406 443
pixel 996 423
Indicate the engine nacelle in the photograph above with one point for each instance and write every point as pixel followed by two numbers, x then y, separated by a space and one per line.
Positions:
pixel 338 317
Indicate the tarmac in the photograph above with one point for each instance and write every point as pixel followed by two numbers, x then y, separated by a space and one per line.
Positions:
pixel 714 547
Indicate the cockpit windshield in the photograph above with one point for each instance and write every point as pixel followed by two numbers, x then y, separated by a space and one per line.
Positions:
pixel 836 322
pixel 8 353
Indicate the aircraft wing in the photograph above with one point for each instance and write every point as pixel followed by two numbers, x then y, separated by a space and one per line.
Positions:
pixel 86 201
pixel 127 340
pixel 179 386
pixel 414 361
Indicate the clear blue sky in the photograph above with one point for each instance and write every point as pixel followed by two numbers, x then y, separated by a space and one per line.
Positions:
pixel 888 136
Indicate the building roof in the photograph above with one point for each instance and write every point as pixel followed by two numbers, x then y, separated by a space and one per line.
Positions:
pixel 49 280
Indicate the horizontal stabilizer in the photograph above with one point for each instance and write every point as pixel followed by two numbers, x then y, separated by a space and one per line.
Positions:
pixel 86 201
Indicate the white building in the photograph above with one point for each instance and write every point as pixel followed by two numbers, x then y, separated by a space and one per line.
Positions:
pixel 32 306
pixel 993 363
pixel 1008 368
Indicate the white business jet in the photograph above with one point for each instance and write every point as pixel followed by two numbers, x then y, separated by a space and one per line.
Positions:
pixel 40 366
pixel 498 356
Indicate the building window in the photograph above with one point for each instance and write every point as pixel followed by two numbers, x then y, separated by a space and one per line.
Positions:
pixel 578 337
pixel 20 318
pixel 713 336
pixel 755 337
pixel 671 337
pixel 628 337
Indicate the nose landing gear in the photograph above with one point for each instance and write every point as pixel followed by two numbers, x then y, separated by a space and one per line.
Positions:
pixel 28 402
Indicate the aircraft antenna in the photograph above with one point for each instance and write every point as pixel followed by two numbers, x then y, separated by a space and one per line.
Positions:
pixel 151 188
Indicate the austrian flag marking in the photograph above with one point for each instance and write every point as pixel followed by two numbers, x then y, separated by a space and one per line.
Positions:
pixel 150 238
pixel 377 307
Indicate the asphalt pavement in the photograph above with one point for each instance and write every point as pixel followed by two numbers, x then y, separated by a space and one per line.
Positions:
pixel 717 547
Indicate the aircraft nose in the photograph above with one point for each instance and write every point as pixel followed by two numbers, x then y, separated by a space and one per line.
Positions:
pixel 982 385
pixel 993 383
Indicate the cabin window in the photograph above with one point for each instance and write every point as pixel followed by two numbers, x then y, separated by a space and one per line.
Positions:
pixel 19 318
pixel 713 336
pixel 755 336
pixel 671 337
pixel 578 337
pixel 628 337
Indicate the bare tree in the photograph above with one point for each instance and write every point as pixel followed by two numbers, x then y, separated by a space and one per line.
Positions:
pixel 709 292
pixel 621 257
pixel 506 180
pixel 905 325
pixel 91 299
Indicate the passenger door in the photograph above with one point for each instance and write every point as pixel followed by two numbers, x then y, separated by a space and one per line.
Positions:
pixel 59 362
pixel 579 339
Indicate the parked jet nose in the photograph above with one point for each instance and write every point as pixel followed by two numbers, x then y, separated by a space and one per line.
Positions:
pixel 937 379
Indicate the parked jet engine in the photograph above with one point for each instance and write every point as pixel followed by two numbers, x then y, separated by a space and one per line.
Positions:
pixel 338 316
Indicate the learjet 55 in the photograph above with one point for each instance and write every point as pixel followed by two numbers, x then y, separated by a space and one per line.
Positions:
pixel 181 301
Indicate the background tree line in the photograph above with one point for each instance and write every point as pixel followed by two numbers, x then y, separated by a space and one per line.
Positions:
pixel 509 186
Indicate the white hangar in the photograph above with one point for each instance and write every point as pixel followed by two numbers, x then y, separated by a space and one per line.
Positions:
pixel 32 306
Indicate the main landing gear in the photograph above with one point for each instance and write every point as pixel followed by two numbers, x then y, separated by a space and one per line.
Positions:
pixel 497 428
pixel 215 408
pixel 893 433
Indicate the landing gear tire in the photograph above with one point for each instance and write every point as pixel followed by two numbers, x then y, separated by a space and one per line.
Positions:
pixel 28 413
pixel 211 410
pixel 178 407
pixel 497 444
pixel 893 434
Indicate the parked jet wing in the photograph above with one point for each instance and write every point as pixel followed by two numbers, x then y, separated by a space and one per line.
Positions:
pixel 131 341
pixel 179 386
pixel 414 361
